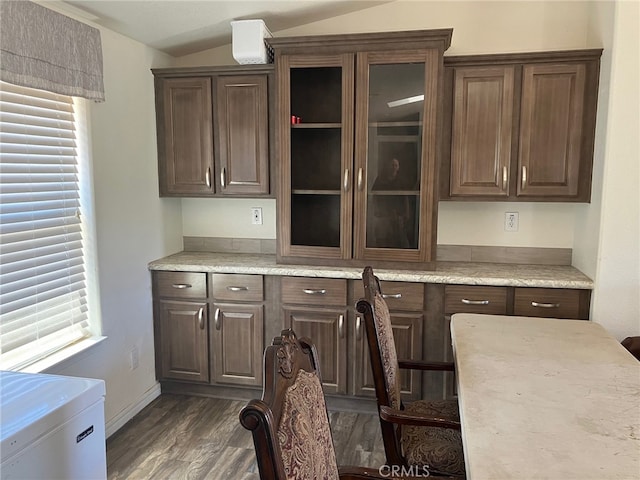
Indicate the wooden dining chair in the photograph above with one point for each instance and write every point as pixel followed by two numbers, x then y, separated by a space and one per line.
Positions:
pixel 290 424
pixel 424 432
pixel 632 344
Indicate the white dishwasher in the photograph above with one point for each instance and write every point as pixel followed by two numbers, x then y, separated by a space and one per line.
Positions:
pixel 51 427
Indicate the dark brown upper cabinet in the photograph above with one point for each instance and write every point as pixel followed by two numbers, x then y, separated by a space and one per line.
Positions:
pixel 185 135
pixel 520 127
pixel 213 131
pixel 357 132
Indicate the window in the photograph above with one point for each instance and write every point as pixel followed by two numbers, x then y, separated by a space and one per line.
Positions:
pixel 43 290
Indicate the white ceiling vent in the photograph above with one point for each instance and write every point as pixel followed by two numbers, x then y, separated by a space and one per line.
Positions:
pixel 248 43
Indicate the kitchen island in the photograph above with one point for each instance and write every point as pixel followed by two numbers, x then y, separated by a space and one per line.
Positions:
pixel 545 399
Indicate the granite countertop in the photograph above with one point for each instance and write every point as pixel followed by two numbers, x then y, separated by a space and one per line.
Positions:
pixel 464 273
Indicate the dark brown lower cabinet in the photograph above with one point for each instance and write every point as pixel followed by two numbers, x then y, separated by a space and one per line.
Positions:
pixel 317 308
pixel 184 341
pixel 210 328
pixel 552 302
pixel 237 344
pixel 407 335
pixel 406 306
pixel 327 329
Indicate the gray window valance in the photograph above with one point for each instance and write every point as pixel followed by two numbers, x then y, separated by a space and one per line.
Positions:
pixel 43 49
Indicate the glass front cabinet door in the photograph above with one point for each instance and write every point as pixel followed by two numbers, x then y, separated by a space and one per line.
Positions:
pixel 316 155
pixel 357 147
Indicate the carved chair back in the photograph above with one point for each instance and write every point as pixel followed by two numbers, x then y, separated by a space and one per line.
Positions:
pixel 384 360
pixel 290 424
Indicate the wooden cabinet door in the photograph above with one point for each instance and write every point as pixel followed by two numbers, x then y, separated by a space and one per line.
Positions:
pixel 185 136
pixel 243 126
pixel 395 155
pixel 237 344
pixel 315 155
pixel 184 341
pixel 328 331
pixel 522 126
pixel 407 335
pixel 481 137
pixel 551 129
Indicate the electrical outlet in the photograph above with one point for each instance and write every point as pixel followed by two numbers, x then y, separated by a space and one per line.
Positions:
pixel 134 361
pixel 256 216
pixel 511 222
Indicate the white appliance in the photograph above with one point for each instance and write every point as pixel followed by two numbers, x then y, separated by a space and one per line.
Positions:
pixel 51 427
pixel 247 41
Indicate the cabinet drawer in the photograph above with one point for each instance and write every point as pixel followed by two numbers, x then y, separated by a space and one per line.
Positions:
pixel 233 286
pixel 314 291
pixel 180 284
pixel 475 299
pixel 398 295
pixel 547 302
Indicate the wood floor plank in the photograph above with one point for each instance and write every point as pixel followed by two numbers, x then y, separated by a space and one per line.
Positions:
pixel 196 438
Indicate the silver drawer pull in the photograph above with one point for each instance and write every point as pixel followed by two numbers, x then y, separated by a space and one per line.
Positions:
pixel 392 295
pixel 311 291
pixel 216 319
pixel 201 318
pixel 181 286
pixel 341 326
pixel 358 327
pixel 237 289
pixel 545 305
pixel 466 301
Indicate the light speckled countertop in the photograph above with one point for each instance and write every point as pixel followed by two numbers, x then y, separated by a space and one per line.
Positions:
pixel 495 274
pixel 545 399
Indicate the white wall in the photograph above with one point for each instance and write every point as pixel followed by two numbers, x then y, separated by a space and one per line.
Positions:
pixel 608 235
pixel 134 226
pixel 478 27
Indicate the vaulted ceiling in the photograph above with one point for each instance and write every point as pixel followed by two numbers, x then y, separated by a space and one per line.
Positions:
pixel 181 27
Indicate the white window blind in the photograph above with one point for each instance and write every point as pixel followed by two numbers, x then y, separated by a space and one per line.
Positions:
pixel 43 301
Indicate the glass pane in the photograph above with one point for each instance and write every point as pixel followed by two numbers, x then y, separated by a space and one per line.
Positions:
pixel 396 101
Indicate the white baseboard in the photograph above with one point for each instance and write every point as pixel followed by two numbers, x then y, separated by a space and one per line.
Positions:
pixel 127 414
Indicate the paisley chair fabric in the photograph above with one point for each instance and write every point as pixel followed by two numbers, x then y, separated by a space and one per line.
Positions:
pixel 289 424
pixel 304 435
pixel 439 448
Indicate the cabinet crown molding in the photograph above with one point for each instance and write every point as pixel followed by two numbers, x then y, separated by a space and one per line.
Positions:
pixel 364 41
pixel 523 57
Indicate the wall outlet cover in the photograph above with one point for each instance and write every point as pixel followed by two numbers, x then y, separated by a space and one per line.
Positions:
pixel 256 215
pixel 511 221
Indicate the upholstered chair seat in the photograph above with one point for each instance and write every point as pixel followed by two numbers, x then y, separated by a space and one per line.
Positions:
pixel 440 448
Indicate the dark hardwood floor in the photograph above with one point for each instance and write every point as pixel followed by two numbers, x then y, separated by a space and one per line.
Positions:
pixel 188 437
